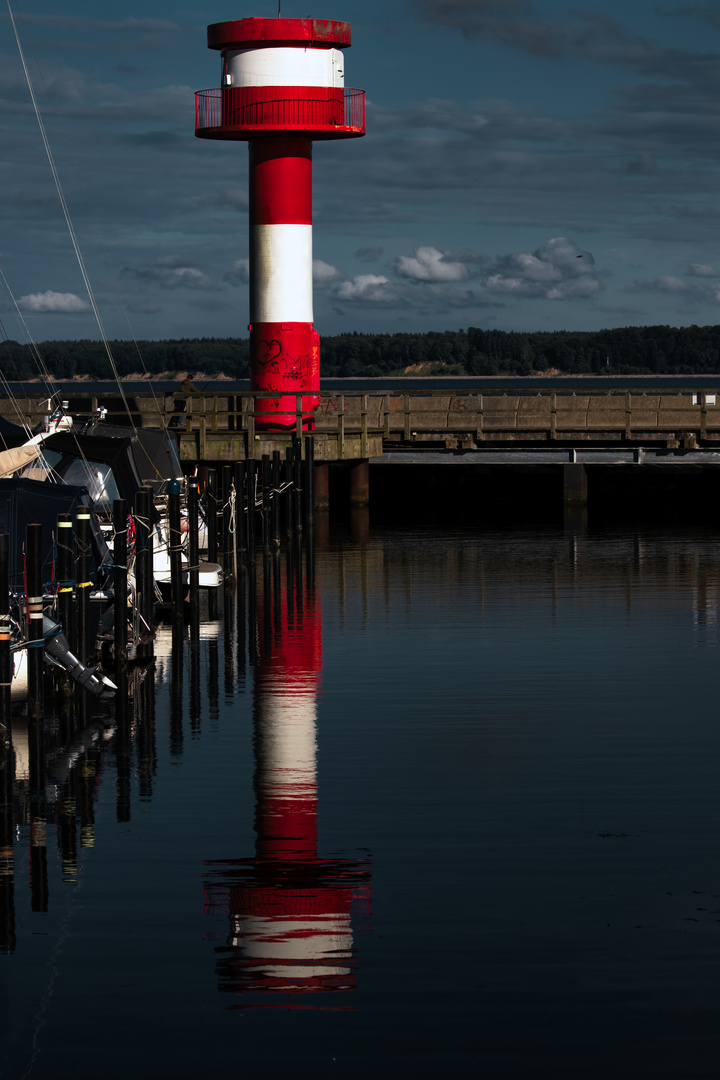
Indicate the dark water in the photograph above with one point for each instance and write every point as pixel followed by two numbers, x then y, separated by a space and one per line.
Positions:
pixel 450 807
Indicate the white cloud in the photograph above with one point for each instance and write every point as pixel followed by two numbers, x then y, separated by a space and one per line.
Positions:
pixel 324 274
pixel 52 301
pixel 240 273
pixel 171 272
pixel 702 270
pixel 429 264
pixel 558 270
pixel 666 283
pixel 371 288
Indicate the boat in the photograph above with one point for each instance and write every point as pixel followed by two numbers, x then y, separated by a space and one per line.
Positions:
pixel 24 501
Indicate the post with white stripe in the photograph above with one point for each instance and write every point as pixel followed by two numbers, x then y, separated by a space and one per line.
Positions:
pixel 34 608
pixel 282 88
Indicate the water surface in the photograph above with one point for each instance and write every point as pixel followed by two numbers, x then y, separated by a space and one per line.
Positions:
pixel 450 802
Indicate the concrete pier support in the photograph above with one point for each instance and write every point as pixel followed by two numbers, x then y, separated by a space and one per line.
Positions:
pixel 322 488
pixel 360 484
pixel 574 485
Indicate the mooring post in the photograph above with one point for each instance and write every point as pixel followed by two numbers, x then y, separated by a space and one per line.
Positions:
pixel 297 491
pixel 288 495
pixel 144 583
pixel 225 522
pixel 275 501
pixel 175 542
pixel 120 577
pixel 240 518
pixel 193 498
pixel 34 609
pixel 251 470
pixel 574 484
pixel 309 482
pixel 7 836
pixel 84 584
pixel 360 484
pixel 65 563
pixel 265 487
pixel 321 487
pixel 211 515
pixel 6 666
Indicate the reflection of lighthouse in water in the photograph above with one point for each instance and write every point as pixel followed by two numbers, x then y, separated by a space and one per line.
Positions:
pixel 289 911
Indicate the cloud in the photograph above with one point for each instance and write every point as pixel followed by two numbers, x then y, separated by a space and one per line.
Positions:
pixel 240 273
pixel 586 35
pixel 558 270
pixel 429 264
pixel 171 272
pixel 324 274
pixel 689 292
pixel 702 270
pixel 368 288
pixel 53 301
pixel 369 254
pixel 666 283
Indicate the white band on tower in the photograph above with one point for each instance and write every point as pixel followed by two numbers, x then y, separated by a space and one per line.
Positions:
pixel 281 281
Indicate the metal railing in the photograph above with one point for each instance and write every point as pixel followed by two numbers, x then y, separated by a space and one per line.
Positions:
pixel 408 417
pixel 324 109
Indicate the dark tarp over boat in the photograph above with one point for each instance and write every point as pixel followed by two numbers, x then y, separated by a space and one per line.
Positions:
pixel 136 458
pixel 24 502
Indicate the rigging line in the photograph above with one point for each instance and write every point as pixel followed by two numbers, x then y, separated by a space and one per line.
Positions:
pixel 45 374
pixel 50 383
pixel 68 220
pixel 97 237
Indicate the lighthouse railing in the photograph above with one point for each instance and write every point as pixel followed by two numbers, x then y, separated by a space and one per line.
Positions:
pixel 323 109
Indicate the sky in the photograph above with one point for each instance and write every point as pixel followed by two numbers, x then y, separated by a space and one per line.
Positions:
pixel 528 165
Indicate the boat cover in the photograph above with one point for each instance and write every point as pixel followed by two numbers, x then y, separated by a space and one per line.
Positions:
pixel 24 502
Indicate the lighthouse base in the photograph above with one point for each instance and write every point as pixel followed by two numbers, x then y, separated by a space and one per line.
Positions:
pixel 285 358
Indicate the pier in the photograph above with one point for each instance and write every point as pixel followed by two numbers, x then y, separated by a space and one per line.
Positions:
pixel 361 432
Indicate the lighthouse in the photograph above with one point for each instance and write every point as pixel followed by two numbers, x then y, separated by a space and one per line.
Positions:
pixel 282 87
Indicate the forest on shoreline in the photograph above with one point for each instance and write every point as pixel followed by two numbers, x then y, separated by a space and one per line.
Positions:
pixel 633 350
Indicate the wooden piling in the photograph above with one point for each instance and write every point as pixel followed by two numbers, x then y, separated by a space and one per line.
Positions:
pixel 265 487
pixel 211 515
pixel 34 609
pixel 275 501
pixel 65 571
pixel 193 498
pixel 120 578
pixel 83 584
pixel 228 536
pixel 144 581
pixel 309 483
pixel 6 664
pixel 175 544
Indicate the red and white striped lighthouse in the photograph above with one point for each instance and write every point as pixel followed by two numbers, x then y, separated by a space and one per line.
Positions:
pixel 282 87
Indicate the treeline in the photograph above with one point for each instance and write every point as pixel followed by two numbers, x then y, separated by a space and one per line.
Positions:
pixel 633 350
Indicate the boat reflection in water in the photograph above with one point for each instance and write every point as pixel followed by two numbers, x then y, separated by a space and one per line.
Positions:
pixel 290 912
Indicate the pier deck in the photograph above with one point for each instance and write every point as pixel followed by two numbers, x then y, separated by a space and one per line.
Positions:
pixel 352 426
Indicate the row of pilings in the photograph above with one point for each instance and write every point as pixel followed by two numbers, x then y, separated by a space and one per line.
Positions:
pixel 260 517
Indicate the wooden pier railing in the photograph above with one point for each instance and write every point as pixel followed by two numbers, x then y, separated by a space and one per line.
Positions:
pixel 348 426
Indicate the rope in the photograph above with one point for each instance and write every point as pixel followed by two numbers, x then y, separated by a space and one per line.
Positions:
pixel 68 220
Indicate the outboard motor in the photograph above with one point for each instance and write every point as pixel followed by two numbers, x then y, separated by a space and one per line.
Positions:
pixel 57 652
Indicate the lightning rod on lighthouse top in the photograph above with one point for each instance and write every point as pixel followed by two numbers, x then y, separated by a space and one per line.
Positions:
pixel 282 86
